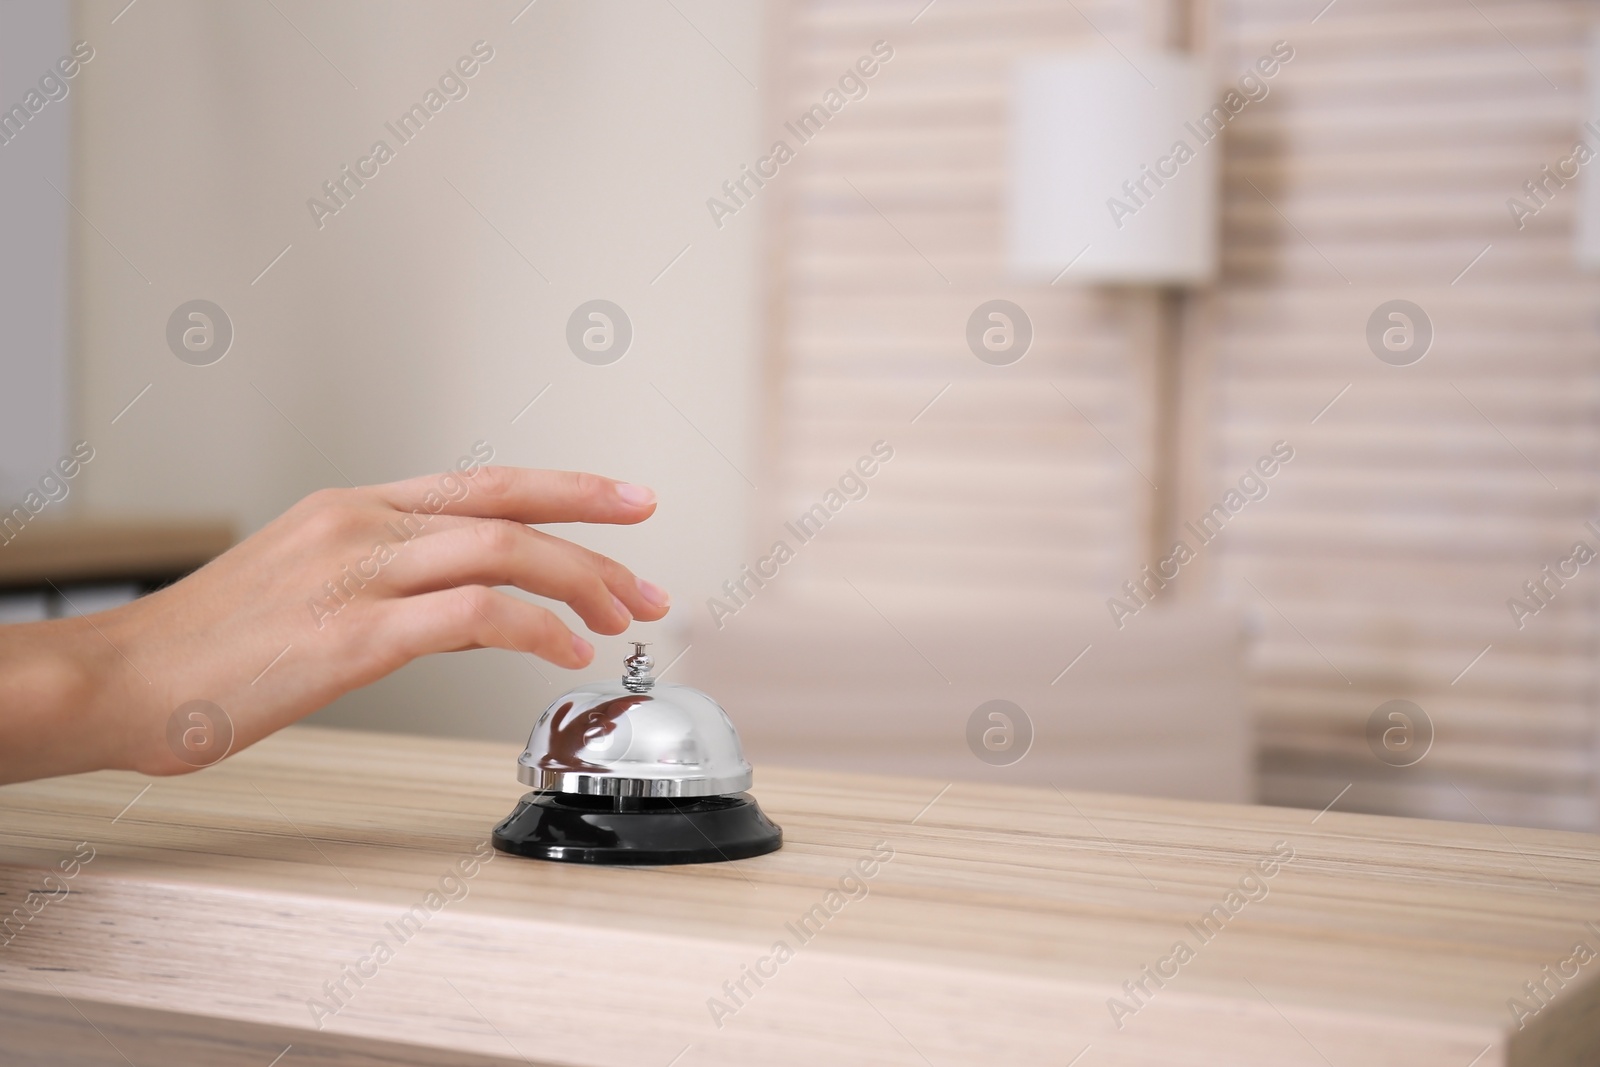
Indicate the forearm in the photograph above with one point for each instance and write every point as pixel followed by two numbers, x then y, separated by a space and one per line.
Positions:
pixel 65 702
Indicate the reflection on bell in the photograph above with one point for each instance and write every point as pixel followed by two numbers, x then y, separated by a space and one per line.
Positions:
pixel 632 772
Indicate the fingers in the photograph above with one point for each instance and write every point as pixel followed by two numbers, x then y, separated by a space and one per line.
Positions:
pixel 604 593
pixel 522 495
pixel 475 616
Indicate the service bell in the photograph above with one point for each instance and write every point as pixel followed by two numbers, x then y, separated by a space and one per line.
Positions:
pixel 636 772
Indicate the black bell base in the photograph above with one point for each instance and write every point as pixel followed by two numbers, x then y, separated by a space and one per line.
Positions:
pixel 572 828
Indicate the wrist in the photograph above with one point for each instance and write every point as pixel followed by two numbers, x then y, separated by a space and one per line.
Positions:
pixel 129 701
pixel 50 685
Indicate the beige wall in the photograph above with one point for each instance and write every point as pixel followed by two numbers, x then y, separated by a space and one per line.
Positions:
pixel 406 328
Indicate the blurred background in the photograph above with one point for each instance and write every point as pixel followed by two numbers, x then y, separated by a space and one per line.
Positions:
pixel 1341 347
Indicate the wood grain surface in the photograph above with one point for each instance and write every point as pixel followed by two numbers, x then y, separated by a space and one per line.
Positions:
pixel 201 919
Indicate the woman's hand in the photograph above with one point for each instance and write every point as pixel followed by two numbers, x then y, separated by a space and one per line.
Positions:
pixel 343 588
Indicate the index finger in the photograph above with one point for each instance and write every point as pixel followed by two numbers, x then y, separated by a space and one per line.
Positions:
pixel 521 494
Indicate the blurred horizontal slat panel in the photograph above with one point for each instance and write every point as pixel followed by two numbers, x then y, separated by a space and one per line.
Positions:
pixel 1424 498
pixel 1420 498
pixel 888 234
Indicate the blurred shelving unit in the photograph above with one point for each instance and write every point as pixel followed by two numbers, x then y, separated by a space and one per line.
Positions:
pixel 70 567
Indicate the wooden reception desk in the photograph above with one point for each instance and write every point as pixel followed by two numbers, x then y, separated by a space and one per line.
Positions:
pixel 327 898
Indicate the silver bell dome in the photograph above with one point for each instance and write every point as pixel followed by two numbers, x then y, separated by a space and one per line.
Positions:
pixel 635 737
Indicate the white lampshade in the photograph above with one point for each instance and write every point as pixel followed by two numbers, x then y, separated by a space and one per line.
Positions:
pixel 1081 127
